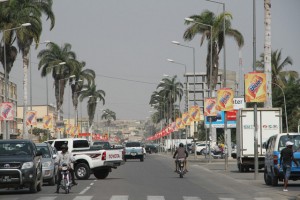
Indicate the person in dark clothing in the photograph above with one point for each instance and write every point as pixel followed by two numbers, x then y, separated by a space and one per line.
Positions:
pixel 181 153
pixel 286 158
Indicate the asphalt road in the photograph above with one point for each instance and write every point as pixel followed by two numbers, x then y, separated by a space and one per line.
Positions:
pixel 154 179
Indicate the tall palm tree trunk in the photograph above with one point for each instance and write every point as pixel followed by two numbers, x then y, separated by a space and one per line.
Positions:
pixel 25 83
pixel 267 52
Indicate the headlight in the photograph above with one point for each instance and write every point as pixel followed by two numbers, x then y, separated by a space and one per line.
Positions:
pixel 27 165
pixel 46 164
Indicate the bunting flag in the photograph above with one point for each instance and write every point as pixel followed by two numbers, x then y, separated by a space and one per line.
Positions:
pixel 7 111
pixel 225 99
pixel 47 121
pixel 186 119
pixel 194 113
pixel 210 105
pixel 31 118
pixel 69 128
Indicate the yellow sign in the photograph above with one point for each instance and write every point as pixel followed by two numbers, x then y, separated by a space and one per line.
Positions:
pixel 255 87
pixel 179 124
pixel 31 118
pixel 225 99
pixel 47 121
pixel 195 114
pixel 210 105
pixel 186 119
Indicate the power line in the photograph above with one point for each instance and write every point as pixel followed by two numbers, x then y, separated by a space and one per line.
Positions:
pixel 124 79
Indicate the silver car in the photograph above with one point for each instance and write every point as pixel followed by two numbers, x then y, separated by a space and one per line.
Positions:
pixel 48 163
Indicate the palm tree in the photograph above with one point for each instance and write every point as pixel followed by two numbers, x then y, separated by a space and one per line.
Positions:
pixel 278 75
pixel 49 63
pixel 81 76
pixel 108 115
pixel 172 90
pixel 209 18
pixel 93 94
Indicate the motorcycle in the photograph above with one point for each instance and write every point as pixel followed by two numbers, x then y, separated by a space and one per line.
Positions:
pixel 180 164
pixel 65 183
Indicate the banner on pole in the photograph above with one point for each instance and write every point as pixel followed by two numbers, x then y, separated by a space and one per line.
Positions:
pixel 31 118
pixel 210 105
pixel 47 121
pixel 255 87
pixel 225 99
pixel 7 111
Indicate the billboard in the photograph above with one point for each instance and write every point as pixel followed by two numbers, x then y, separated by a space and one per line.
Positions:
pixel 218 121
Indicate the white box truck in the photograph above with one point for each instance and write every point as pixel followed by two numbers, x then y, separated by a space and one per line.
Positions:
pixel 269 121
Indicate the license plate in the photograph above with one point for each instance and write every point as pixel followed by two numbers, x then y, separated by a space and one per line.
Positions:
pixel 133 154
pixel 6 179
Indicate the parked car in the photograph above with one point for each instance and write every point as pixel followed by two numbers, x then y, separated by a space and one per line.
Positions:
pixel 20 165
pixel 48 163
pixel 200 148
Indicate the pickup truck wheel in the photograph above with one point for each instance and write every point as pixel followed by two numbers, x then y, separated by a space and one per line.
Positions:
pixel 267 178
pixel 82 171
pixel 101 174
pixel 52 180
pixel 274 180
pixel 142 159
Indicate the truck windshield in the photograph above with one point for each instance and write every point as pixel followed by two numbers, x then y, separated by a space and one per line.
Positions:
pixel 15 148
pixel 133 144
pixel 292 138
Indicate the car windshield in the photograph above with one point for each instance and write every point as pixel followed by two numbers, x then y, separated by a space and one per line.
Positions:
pixel 292 138
pixel 133 144
pixel 45 151
pixel 15 148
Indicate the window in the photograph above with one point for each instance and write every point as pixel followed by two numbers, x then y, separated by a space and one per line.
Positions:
pixel 39 120
pixel 80 144
pixel 58 144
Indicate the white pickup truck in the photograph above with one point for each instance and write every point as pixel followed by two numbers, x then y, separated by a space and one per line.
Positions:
pixel 90 160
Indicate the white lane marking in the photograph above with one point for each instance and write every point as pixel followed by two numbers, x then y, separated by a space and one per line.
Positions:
pixel 226 198
pixel 83 198
pixel 262 198
pixel 119 197
pixel 191 198
pixel 46 198
pixel 86 189
pixel 155 198
pixel 92 184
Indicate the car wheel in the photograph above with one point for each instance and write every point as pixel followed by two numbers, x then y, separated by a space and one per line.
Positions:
pixel 274 180
pixel 267 178
pixel 52 180
pixel 142 159
pixel 33 187
pixel 101 174
pixel 82 171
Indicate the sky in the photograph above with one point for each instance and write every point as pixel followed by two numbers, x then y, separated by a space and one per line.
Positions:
pixel 127 44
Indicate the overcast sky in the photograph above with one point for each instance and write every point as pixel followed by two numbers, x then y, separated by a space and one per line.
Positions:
pixel 127 43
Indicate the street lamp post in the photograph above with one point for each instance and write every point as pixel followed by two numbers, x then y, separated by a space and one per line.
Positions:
pixel 30 78
pixel 76 111
pixel 210 74
pixel 285 112
pixel 7 136
pixel 194 71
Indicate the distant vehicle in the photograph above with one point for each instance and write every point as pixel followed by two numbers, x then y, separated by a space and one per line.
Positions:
pixel 134 150
pixel 151 148
pixel 273 146
pixel 103 144
pixel 20 165
pixel 48 163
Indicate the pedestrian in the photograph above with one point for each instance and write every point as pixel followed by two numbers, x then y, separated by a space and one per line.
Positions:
pixel 286 158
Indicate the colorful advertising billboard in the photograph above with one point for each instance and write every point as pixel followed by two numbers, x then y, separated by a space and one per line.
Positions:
pixel 225 99
pixel 210 107
pixel 255 87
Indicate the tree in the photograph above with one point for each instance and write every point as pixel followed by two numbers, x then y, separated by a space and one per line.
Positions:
pixel 209 18
pixel 108 115
pixel 49 63
pixel 81 77
pixel 93 94
pixel 278 75
pixel 171 91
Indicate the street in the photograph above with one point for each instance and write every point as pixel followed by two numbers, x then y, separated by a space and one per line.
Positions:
pixel 154 179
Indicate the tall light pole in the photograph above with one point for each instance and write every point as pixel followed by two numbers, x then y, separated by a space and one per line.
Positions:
pixel 76 111
pixel 7 136
pixel 186 93
pixel 194 71
pixel 30 78
pixel 285 112
pixel 210 73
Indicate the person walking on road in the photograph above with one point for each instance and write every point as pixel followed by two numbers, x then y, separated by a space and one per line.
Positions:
pixel 286 158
